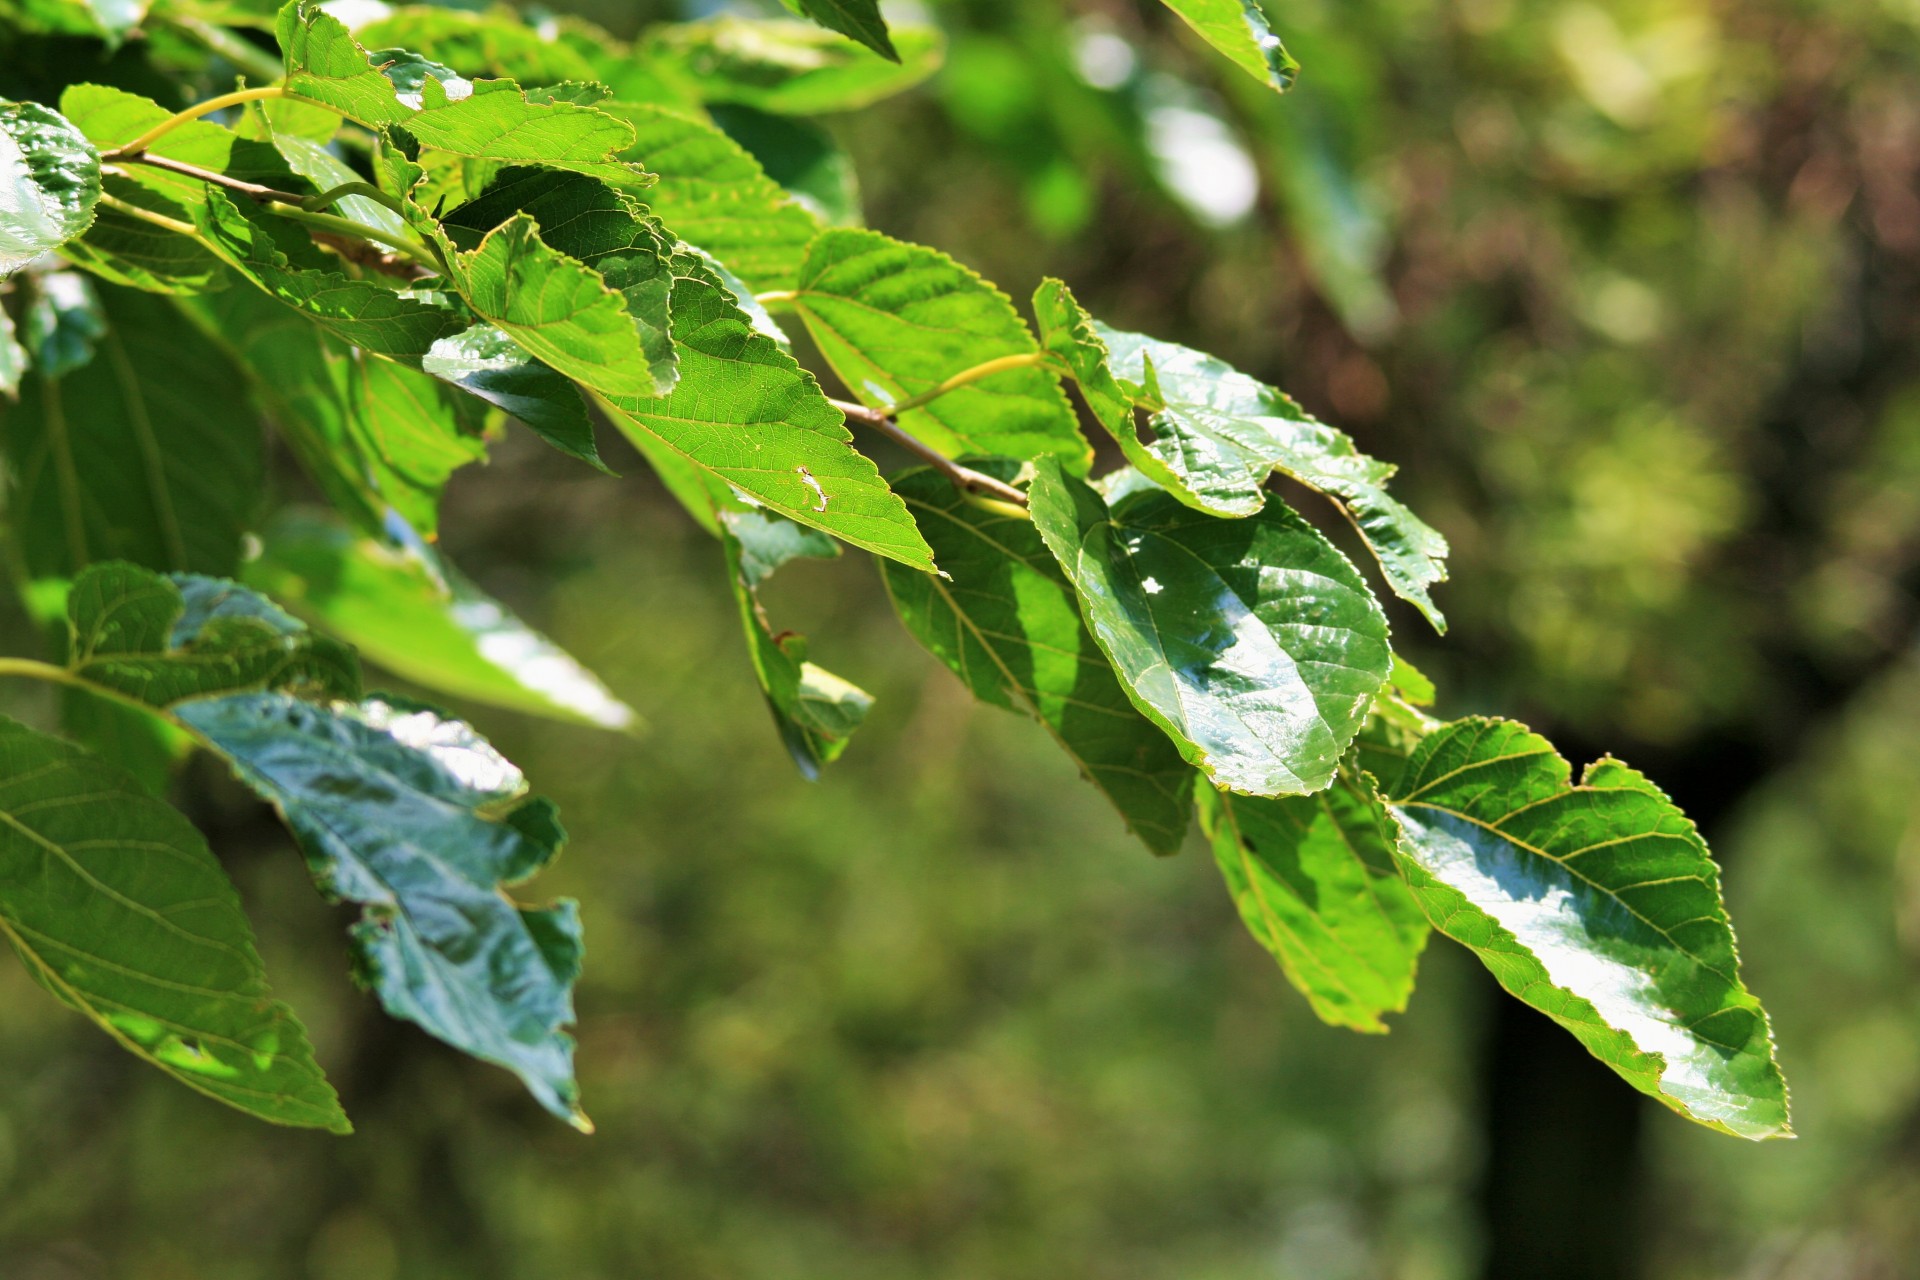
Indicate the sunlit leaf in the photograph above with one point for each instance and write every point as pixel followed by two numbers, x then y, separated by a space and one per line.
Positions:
pixel 1219 434
pixel 746 414
pixel 1596 903
pixel 1239 29
pixel 424 622
pixel 49 182
pixel 898 320
pixel 1252 642
pixel 715 195
pixel 485 362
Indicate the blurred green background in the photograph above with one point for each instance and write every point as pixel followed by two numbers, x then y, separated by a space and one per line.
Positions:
pixel 1631 289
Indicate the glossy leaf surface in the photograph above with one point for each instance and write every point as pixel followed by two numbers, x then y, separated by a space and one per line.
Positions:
pixel 115 904
pixel 485 362
pixel 49 182
pixel 897 320
pixel 1596 903
pixel 1253 642
pixel 1219 434
pixel 1004 619
pixel 419 820
pixel 1239 29
pixel 1315 882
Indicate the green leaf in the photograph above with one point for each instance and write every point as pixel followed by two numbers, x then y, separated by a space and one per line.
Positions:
pixel 327 65
pixel 573 271
pixel 1239 29
pixel 498 123
pixel 115 904
pixel 897 320
pixel 280 258
pixel 859 19
pixel 422 822
pixel 788 68
pixel 49 182
pixel 746 414
pixel 1218 435
pixel 158 640
pixel 62 323
pixel 1253 643
pixel 124 461
pixel 815 711
pixel 485 362
pixel 715 195
pixel 379 440
pixel 420 620
pixel 1004 619
pixel 1315 882
pixel 490 44
pixel 1596 903
pixel 313 161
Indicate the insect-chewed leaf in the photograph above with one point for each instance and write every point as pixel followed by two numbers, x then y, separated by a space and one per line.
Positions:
pixel 1315 882
pixel 1218 435
pixel 785 67
pixel 746 414
pixel 159 640
pixel 1596 903
pixel 485 362
pixel 49 182
pixel 116 905
pixel 123 462
pixel 1004 619
pixel 897 320
pixel 814 710
pixel 422 822
pixel 1239 29
pixel 715 195
pixel 858 19
pixel 422 621
pixel 551 256
pixel 1253 642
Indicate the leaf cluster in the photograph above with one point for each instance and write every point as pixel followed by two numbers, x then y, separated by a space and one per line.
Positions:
pixel 443 221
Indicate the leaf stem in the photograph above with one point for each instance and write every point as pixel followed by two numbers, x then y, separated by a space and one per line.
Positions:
pixel 966 479
pixel 186 170
pixel 148 215
pixel 406 248
pixel 192 113
pixel 778 297
pixel 366 190
pixel 1022 360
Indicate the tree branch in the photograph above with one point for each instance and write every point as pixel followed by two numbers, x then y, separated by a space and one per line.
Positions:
pixel 965 479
